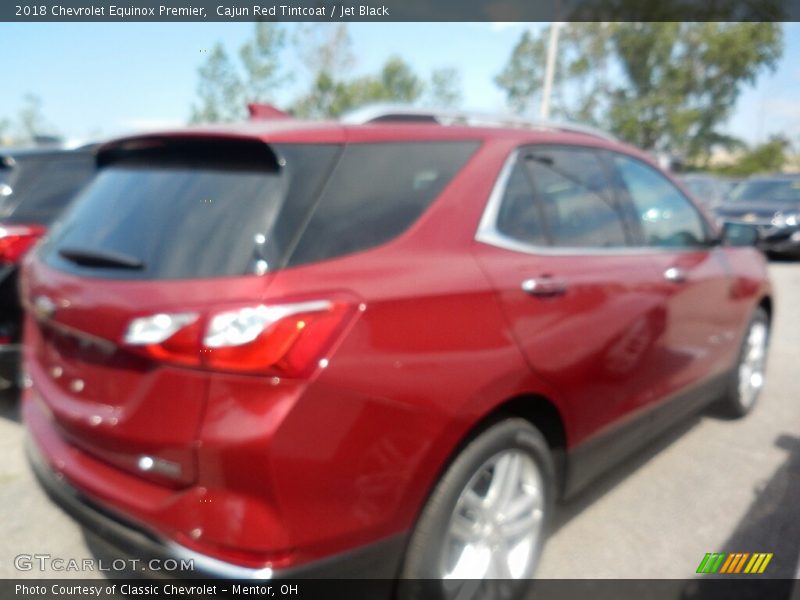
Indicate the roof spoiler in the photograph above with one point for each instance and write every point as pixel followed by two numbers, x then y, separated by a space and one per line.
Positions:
pixel 263 112
pixel 245 154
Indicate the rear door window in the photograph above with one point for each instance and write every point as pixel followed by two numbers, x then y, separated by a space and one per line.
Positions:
pixel 561 196
pixel 577 201
pixel 376 192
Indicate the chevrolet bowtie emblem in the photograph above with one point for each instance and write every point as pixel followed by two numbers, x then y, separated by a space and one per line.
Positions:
pixel 749 217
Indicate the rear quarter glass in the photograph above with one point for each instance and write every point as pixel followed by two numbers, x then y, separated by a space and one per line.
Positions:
pixel 376 192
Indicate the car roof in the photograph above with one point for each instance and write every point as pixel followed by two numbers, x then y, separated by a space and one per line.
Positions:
pixel 333 132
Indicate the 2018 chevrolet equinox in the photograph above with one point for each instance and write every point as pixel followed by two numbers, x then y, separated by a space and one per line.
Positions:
pixel 283 346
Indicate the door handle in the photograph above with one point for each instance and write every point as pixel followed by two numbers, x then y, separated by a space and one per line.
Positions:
pixel 544 286
pixel 676 275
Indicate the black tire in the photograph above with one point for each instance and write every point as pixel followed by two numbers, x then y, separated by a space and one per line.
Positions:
pixel 734 404
pixel 421 575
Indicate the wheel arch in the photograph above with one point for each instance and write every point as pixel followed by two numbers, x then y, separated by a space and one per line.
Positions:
pixel 539 411
pixel 544 415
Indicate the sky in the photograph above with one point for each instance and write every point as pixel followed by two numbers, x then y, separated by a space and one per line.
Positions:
pixel 104 79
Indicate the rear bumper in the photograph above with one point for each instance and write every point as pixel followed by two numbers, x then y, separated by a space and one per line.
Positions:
pixel 123 539
pixel 126 538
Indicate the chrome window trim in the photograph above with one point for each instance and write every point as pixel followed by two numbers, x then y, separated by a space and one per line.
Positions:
pixel 487 232
pixel 488 223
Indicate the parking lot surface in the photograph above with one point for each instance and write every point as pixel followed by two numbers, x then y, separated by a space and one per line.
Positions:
pixel 709 485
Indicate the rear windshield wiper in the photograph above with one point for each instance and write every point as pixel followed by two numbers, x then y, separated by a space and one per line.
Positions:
pixel 88 257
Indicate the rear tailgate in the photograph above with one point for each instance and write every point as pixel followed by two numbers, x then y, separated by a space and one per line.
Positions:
pixel 105 399
pixel 167 227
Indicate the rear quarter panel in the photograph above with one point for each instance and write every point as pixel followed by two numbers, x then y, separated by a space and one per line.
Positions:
pixel 356 454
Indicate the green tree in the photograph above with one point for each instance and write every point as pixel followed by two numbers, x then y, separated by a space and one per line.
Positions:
pixel 31 118
pixel 580 87
pixel 659 85
pixel 328 56
pixel 29 122
pixel 224 87
pixel 5 126
pixel 329 97
pixel 444 90
pixel 332 92
pixel 398 83
pixel 261 59
pixel 764 158
pixel 684 83
pixel 522 77
pixel 219 89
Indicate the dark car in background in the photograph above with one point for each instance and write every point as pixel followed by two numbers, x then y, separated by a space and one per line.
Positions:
pixel 710 190
pixel 771 204
pixel 35 186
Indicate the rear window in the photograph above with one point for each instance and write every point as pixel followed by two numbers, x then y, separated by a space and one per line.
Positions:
pixel 377 192
pixel 38 189
pixel 190 213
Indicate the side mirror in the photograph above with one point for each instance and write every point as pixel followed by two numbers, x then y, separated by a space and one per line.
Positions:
pixel 739 234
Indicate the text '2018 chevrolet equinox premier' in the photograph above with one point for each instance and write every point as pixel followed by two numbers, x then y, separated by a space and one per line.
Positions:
pixel 283 345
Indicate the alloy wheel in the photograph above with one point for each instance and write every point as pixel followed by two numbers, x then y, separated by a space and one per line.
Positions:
pixel 496 527
pixel 753 363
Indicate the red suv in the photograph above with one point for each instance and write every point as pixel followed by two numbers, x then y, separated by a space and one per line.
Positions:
pixel 287 349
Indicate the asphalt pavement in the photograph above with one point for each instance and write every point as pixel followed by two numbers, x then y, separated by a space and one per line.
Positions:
pixel 709 485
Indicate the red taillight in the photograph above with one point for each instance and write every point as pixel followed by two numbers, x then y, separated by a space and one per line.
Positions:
pixel 283 339
pixel 180 346
pixel 16 240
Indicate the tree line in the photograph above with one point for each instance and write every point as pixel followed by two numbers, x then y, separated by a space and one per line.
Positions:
pixel 28 123
pixel 664 87
pixel 660 86
pixel 227 84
